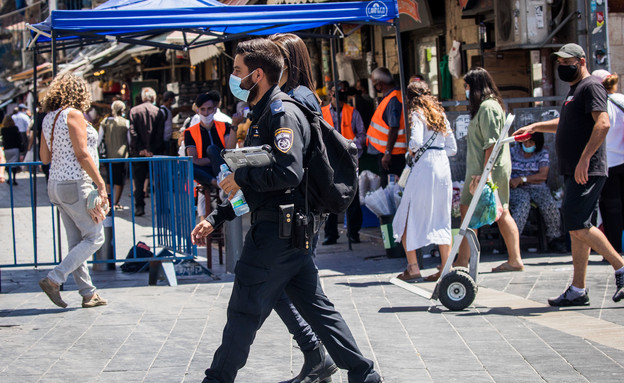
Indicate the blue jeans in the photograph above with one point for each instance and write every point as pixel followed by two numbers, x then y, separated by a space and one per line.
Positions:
pixel 205 174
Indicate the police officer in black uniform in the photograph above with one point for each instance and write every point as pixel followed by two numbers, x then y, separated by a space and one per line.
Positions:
pixel 274 258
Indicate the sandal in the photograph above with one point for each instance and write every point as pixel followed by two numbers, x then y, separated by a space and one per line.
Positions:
pixel 433 277
pixel 119 207
pixel 407 277
pixel 504 267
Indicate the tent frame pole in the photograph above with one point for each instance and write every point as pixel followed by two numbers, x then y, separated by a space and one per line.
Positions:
pixel 397 29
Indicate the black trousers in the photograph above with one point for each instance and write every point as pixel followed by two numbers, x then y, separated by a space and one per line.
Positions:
pixel 397 164
pixel 354 221
pixel 267 267
pixel 140 172
pixel 612 206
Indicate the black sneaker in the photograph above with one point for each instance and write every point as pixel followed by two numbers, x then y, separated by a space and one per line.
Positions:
pixel 563 300
pixel 619 287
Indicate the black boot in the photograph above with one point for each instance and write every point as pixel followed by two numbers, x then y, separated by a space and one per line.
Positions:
pixel 318 367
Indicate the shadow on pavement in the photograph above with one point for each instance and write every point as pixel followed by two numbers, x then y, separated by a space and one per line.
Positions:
pixel 31 312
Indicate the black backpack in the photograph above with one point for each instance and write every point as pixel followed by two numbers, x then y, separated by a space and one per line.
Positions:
pixel 142 251
pixel 331 165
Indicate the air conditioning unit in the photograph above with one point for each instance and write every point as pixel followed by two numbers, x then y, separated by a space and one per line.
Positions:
pixel 521 23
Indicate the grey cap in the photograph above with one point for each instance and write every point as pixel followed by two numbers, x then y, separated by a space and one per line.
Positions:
pixel 570 50
pixel 22 106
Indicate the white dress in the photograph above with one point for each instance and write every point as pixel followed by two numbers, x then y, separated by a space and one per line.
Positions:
pixel 425 209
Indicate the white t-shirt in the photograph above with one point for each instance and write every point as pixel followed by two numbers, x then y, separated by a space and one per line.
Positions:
pixel 22 121
pixel 615 137
pixel 65 166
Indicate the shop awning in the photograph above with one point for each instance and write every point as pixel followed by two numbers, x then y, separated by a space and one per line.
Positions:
pixel 28 73
pixel 125 20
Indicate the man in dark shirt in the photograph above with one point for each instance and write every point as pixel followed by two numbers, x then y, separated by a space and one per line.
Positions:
pixel 581 131
pixel 205 140
pixel 145 139
pixel 271 262
pixel 364 104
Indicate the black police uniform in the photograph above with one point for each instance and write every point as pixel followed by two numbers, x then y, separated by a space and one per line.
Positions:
pixel 270 265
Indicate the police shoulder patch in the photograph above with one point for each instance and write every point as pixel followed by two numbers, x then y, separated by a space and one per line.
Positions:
pixel 283 139
pixel 277 107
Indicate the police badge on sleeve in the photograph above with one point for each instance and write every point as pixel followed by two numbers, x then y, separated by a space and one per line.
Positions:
pixel 283 139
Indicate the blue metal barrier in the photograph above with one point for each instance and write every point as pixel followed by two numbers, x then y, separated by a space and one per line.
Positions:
pixel 172 213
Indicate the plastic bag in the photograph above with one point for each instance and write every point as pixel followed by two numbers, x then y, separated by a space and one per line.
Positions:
pixel 489 207
pixel 377 202
pixel 368 182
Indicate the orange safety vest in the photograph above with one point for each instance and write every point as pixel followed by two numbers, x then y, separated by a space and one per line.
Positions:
pixel 345 120
pixel 195 131
pixel 377 133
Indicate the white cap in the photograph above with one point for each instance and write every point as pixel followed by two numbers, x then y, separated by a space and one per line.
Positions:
pixel 601 74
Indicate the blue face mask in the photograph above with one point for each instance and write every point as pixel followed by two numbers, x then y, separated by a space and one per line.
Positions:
pixel 235 87
pixel 530 149
pixel 467 94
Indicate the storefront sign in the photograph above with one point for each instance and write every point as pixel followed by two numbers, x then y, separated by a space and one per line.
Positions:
pixel 410 8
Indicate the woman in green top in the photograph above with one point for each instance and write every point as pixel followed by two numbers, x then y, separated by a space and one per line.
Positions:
pixel 486 123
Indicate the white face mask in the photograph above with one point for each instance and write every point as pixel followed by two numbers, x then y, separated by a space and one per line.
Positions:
pixel 467 94
pixel 206 120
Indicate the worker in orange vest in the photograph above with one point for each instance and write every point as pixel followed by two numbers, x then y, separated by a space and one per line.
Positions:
pixel 205 140
pixel 386 133
pixel 352 128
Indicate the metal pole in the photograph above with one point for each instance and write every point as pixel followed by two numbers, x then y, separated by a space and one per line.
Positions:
pixel 54 55
pixel 582 24
pixel 335 78
pixel 35 149
pixel 402 76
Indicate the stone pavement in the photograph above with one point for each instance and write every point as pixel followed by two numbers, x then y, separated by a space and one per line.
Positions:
pixel 168 334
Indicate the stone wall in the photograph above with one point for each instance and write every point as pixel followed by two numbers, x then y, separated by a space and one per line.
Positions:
pixel 616 42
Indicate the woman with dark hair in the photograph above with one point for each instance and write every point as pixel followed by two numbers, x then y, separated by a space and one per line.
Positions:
pixel 529 171
pixel 424 214
pixel 612 195
pixel 296 81
pixel 487 118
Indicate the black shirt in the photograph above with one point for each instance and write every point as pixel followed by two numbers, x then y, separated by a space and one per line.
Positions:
pixel 11 138
pixel 576 125
pixel 285 128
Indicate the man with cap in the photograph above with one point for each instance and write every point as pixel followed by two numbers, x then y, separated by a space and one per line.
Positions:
pixel 164 118
pixel 581 130
pixel 205 139
pixel 22 121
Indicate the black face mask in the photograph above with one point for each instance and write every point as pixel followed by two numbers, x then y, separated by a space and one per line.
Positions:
pixel 568 73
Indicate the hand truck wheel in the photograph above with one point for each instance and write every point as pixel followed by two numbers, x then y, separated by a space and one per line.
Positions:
pixel 457 290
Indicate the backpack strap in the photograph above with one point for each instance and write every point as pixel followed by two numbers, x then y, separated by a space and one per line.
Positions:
pixel 616 103
pixel 53 126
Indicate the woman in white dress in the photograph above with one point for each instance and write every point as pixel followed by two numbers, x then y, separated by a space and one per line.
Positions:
pixel 424 214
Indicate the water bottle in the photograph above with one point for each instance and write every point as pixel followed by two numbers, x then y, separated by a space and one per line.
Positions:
pixel 238 202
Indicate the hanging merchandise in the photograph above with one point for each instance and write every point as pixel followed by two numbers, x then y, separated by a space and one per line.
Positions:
pixel 446 92
pixel 455 60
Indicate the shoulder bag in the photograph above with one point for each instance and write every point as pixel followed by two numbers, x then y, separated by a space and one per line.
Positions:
pixel 411 161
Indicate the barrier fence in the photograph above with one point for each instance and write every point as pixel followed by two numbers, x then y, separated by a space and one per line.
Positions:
pixel 171 220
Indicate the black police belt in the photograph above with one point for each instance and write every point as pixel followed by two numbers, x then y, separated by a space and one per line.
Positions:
pixel 264 215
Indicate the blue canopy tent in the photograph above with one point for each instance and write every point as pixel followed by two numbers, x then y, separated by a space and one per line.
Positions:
pixel 130 21
pixel 127 20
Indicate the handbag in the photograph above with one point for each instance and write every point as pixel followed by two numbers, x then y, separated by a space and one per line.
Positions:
pixel 411 161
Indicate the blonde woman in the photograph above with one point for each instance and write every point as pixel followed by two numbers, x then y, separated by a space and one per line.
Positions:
pixel 424 214
pixel 69 145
